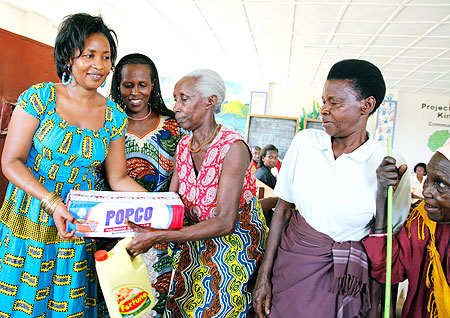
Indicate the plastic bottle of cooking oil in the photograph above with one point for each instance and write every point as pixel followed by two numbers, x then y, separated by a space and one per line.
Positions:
pixel 125 282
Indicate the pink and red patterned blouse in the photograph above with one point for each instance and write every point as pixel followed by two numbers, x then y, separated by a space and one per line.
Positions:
pixel 199 193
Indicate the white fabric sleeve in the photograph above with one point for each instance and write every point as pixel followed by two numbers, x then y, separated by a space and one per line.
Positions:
pixel 402 197
pixel 414 188
pixel 283 188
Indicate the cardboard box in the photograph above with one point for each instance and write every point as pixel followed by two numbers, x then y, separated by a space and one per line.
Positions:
pixel 103 213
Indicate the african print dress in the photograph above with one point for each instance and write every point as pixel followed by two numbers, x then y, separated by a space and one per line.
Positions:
pixel 150 161
pixel 212 276
pixel 41 275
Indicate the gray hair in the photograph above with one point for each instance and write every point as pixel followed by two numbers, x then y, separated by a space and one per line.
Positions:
pixel 210 83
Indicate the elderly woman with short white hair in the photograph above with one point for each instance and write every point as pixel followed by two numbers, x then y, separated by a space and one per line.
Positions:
pixel 225 239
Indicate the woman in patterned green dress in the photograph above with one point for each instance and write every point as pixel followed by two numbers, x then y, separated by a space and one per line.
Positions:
pixel 214 176
pixel 150 143
pixel 57 135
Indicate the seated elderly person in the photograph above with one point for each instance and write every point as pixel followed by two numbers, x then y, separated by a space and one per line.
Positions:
pixel 215 178
pixel 420 251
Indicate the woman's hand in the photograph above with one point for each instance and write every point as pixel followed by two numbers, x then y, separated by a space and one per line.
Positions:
pixel 116 168
pixel 61 216
pixel 262 295
pixel 389 175
pixel 143 239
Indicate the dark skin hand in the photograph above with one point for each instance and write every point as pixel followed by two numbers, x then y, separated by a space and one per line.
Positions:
pixel 262 295
pixel 268 203
pixel 387 175
pixel 146 236
pixel 229 194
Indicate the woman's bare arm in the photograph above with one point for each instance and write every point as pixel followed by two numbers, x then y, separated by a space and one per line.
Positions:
pixel 116 168
pixel 229 194
pixel 263 289
pixel 21 130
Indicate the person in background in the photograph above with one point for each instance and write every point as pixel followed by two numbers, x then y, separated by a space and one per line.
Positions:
pixel 57 135
pixel 268 160
pixel 150 143
pixel 417 181
pixel 314 264
pixel 420 251
pixel 267 163
pixel 256 152
pixel 215 178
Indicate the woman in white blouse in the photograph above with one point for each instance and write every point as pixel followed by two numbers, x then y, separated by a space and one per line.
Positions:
pixel 417 181
pixel 315 264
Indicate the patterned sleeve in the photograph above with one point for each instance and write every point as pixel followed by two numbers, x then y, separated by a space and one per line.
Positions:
pixel 404 253
pixel 182 132
pixel 119 121
pixel 35 99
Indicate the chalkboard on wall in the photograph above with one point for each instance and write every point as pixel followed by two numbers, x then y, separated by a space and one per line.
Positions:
pixel 276 130
pixel 312 123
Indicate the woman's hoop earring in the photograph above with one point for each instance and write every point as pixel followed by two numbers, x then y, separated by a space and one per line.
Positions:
pixel 63 79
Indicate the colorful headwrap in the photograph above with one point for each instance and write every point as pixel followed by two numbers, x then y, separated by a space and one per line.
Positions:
pixel 445 149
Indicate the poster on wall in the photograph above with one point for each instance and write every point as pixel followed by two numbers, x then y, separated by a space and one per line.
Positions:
pixel 386 114
pixel 167 85
pixel 422 126
pixel 258 103
pixel 439 123
pixel 234 109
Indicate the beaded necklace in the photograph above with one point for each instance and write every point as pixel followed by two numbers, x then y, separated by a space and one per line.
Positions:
pixel 138 119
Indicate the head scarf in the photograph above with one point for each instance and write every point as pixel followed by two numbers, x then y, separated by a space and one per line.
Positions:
pixel 445 149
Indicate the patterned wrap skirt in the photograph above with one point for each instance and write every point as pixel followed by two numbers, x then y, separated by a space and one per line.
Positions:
pixel 41 275
pixel 212 276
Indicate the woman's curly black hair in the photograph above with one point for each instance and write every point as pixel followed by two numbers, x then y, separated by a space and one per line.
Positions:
pixel 365 78
pixel 421 164
pixel 72 34
pixel 264 151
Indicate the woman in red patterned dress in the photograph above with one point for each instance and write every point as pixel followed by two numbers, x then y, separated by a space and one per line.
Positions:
pixel 215 179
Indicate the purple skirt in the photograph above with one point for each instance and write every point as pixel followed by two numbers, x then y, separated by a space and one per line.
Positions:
pixel 314 276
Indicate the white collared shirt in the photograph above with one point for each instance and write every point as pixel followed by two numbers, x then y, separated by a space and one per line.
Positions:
pixel 337 196
pixel 417 187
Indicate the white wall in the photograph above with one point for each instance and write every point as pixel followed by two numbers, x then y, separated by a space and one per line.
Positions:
pixel 27 24
pixel 289 100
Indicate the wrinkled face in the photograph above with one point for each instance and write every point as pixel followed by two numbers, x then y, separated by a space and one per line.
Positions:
pixel 341 110
pixel 420 171
pixel 135 87
pixel 436 189
pixel 190 107
pixel 256 153
pixel 270 159
pixel 92 67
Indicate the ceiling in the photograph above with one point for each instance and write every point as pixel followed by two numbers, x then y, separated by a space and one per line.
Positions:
pixel 279 41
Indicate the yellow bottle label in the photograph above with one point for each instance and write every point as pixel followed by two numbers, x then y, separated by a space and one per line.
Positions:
pixel 132 301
